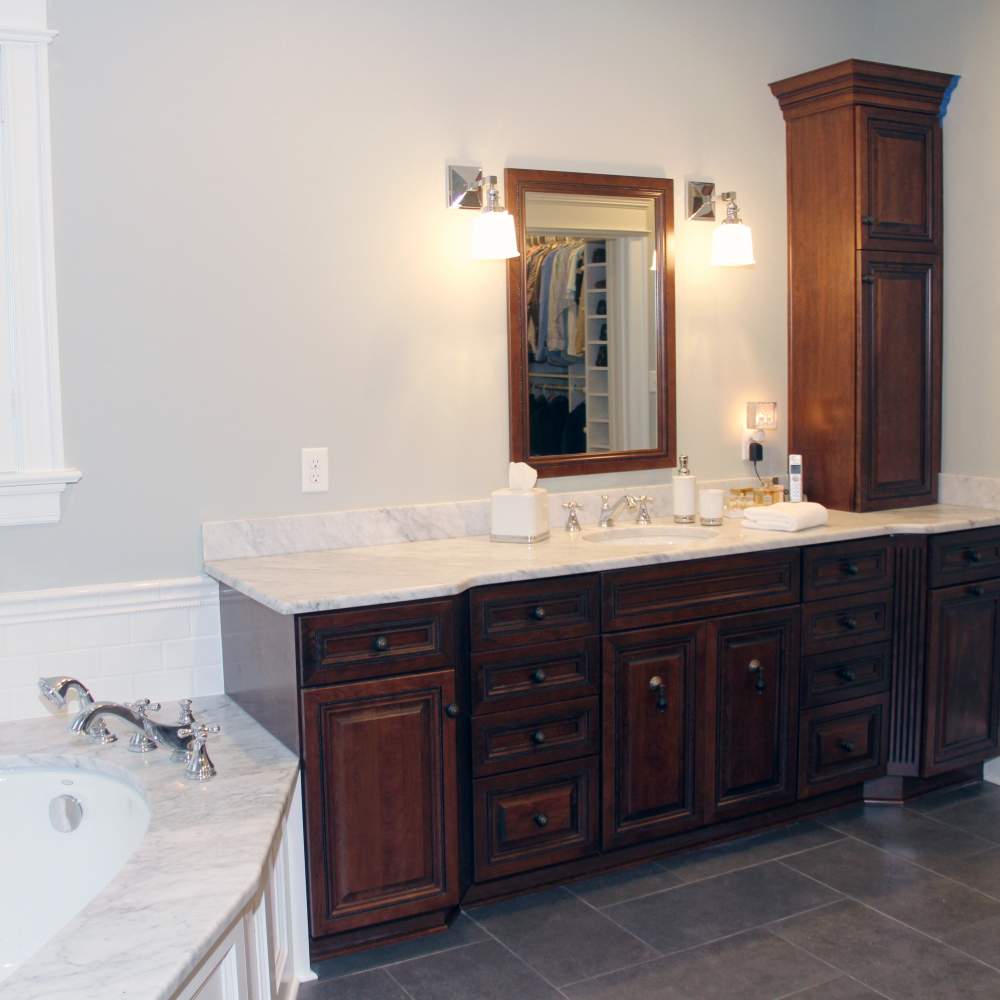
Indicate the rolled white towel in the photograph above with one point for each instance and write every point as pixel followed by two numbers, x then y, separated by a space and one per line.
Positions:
pixel 785 516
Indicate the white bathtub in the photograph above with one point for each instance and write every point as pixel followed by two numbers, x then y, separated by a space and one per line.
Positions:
pixel 65 831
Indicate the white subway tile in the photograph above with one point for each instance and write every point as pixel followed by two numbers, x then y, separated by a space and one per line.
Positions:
pixel 134 658
pixel 208 681
pixel 120 688
pixel 98 630
pixel 18 671
pixel 22 703
pixel 36 637
pixel 205 619
pixel 199 651
pixel 167 685
pixel 153 626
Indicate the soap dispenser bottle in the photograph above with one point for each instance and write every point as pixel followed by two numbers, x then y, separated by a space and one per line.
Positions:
pixel 685 492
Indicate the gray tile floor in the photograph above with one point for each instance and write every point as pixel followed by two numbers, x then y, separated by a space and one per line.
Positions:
pixel 869 901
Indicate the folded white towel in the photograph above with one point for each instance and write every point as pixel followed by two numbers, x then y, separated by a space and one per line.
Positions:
pixel 785 516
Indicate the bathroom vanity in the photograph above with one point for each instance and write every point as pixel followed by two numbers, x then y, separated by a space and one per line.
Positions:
pixel 544 712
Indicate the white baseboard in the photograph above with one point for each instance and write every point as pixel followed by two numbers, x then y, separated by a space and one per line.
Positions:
pixel 158 639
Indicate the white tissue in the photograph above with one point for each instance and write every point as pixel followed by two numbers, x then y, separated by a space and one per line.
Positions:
pixel 521 477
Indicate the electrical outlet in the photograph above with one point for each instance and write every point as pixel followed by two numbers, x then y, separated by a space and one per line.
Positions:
pixel 315 470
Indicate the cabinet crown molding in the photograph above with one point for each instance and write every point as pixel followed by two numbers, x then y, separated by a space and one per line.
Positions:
pixel 856 81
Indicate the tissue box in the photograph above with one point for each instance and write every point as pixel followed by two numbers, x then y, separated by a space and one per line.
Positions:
pixel 519 515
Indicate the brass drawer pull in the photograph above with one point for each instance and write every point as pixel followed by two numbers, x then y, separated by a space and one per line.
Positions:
pixel 541 819
pixel 659 688
pixel 538 613
pixel 538 677
pixel 381 644
pixel 847 746
pixel 757 668
pixel 846 675
pixel 538 736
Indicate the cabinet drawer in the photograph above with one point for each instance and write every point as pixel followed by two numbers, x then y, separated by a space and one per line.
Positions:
pixel 846 673
pixel 842 745
pixel 506 741
pixel 846 621
pixel 515 614
pixel 963 556
pixel 681 591
pixel 390 639
pixel 534 675
pixel 535 818
pixel 846 568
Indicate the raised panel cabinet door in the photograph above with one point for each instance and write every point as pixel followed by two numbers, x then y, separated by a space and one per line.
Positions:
pixel 899 189
pixel 963 677
pixel 755 703
pixel 380 799
pixel 900 393
pixel 654 690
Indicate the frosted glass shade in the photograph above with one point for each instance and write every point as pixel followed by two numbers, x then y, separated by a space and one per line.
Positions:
pixel 732 245
pixel 493 236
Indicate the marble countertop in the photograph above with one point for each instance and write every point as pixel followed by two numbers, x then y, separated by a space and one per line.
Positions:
pixel 382 574
pixel 197 868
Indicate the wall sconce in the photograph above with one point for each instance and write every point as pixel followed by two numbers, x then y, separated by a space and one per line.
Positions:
pixel 493 235
pixel 732 241
pixel 760 417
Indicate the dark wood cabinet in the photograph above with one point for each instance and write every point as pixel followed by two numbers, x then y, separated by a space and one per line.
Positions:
pixel 963 676
pixel 863 145
pixel 755 711
pixel 654 696
pixel 381 800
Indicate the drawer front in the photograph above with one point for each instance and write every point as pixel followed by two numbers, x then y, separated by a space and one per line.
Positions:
pixel 846 673
pixel 506 741
pixel 515 614
pixel 846 568
pixel 842 745
pixel 535 818
pixel 634 598
pixel 372 642
pixel 963 556
pixel 847 621
pixel 535 675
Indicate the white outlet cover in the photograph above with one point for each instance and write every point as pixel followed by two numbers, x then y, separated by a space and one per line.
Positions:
pixel 315 470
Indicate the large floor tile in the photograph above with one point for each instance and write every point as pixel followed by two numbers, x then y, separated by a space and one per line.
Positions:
pixel 377 985
pixel 933 802
pixel 561 936
pixel 979 815
pixel 981 871
pixel 894 960
pixel 485 971
pixel 461 932
pixel 751 850
pixel 929 902
pixel 837 989
pixel 981 940
pixel 906 833
pixel 700 912
pixel 746 967
pixel 617 887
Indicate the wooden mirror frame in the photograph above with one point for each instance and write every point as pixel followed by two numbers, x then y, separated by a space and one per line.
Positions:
pixel 518 183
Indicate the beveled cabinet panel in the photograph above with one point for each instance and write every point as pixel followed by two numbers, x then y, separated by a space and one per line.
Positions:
pixel 654 691
pixel 900 398
pixel 755 710
pixel 899 167
pixel 381 800
pixel 963 676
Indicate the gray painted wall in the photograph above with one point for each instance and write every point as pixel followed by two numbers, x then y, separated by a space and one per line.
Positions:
pixel 253 253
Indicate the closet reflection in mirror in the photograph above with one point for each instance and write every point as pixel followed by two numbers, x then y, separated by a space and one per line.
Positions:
pixel 592 324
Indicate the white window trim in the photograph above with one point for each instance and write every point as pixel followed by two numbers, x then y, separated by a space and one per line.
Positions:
pixel 31 494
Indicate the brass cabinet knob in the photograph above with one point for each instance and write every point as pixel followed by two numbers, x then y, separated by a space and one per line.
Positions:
pixel 538 736
pixel 539 676
pixel 977 591
pixel 851 569
pixel 541 819
pixel 849 623
pixel 974 555
pixel 657 686
pixel 868 220
pixel 452 711
pixel 846 746
pixel 381 643
pixel 846 674
pixel 757 668
pixel 538 613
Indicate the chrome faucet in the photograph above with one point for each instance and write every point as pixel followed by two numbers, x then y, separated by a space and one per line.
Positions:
pixel 186 739
pixel 609 513
pixel 55 690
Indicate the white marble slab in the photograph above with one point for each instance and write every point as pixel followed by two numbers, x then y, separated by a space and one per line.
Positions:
pixel 970 491
pixel 381 574
pixel 195 871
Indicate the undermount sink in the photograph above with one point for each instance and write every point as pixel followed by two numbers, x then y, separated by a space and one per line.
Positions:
pixel 662 535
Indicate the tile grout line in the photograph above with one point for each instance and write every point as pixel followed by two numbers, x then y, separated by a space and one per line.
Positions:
pixel 385 969
pixel 507 948
pixel 398 961
pixel 902 923
pixel 705 944
pixel 600 912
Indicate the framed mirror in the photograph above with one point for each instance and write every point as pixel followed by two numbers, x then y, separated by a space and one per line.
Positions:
pixel 591 322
